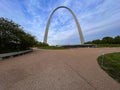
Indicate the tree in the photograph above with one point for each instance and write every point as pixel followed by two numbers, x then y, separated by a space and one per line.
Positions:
pixel 107 40
pixel 40 44
pixel 96 41
pixel 13 37
pixel 117 40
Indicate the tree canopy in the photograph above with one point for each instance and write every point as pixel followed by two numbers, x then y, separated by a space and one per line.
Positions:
pixel 13 37
pixel 106 40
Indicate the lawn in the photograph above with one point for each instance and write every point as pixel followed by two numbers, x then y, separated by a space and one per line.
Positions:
pixel 111 64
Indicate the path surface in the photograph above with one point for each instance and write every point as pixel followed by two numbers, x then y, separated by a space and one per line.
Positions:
pixel 72 69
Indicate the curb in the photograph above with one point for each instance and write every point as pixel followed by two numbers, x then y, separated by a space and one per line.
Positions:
pixel 6 55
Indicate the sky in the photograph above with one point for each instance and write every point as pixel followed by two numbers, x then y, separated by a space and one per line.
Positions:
pixel 97 18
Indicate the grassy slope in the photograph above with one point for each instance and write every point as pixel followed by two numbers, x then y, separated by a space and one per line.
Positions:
pixel 111 64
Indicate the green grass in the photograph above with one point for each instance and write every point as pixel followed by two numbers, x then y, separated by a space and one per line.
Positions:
pixel 52 47
pixel 111 64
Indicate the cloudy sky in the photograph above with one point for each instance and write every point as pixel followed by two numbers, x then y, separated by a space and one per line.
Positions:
pixel 98 18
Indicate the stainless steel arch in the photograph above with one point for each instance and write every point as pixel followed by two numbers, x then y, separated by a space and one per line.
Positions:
pixel 75 18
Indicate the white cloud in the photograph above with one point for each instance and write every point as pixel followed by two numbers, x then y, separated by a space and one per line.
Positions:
pixel 94 16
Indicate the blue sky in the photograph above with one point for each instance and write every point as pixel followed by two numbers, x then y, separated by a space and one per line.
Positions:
pixel 98 18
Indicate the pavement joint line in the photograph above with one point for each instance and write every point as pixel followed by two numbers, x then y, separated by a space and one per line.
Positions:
pixel 80 76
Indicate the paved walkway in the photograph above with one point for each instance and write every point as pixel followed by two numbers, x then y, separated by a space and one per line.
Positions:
pixel 72 69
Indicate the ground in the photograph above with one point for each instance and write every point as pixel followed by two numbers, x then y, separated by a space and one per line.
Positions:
pixel 69 69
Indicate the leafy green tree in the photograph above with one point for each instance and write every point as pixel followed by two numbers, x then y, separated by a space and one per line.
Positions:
pixel 13 37
pixel 107 40
pixel 89 42
pixel 117 40
pixel 96 41
pixel 40 44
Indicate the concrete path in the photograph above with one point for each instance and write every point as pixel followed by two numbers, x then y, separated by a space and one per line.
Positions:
pixel 72 69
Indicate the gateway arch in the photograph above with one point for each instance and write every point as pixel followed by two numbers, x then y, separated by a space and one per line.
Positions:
pixel 75 18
